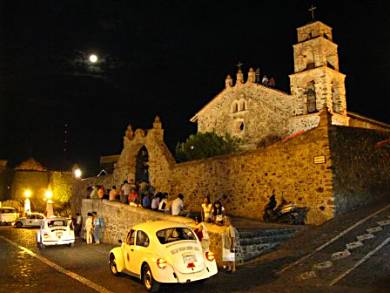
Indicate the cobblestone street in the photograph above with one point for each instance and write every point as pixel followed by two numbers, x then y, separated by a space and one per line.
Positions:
pixel 334 260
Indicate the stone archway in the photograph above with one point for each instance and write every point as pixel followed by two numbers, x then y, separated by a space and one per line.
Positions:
pixel 142 165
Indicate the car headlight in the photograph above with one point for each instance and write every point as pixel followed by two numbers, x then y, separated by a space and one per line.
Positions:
pixel 161 263
pixel 210 256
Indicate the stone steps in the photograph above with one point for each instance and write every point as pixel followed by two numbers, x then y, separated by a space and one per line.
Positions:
pixel 255 242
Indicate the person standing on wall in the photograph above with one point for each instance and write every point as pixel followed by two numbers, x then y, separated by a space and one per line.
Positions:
pixel 125 191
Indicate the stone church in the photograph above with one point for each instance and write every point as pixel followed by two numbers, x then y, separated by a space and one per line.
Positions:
pixel 321 157
pixel 254 112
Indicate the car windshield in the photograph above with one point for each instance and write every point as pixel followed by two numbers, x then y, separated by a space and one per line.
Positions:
pixel 57 223
pixel 175 234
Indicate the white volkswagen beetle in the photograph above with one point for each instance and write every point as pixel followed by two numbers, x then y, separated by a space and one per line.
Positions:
pixel 55 231
pixel 162 252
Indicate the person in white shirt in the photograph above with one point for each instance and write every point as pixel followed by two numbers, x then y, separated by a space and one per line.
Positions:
pixel 178 206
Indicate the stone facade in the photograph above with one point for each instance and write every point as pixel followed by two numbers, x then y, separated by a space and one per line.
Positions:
pixel 234 111
pixel 252 112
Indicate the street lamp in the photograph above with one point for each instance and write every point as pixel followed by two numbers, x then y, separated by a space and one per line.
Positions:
pixel 27 203
pixel 77 173
pixel 49 203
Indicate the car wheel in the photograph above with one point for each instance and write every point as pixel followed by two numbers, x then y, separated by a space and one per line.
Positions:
pixel 19 225
pixel 113 267
pixel 147 278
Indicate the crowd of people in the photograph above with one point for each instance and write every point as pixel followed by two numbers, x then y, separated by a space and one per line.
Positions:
pixel 144 195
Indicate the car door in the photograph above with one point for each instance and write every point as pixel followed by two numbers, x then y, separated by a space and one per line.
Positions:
pixel 128 248
pixel 30 220
pixel 139 251
pixel 38 220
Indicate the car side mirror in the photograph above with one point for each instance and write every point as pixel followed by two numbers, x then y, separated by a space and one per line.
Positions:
pixel 120 241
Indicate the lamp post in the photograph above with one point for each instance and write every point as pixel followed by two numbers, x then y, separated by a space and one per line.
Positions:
pixel 27 203
pixel 49 203
pixel 77 173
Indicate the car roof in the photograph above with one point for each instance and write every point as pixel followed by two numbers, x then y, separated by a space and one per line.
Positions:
pixel 56 218
pixel 154 226
pixel 36 213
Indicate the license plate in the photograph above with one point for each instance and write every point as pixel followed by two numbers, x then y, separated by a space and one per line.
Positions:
pixel 59 234
pixel 189 258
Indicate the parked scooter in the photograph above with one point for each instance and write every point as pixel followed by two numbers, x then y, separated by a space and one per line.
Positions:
pixel 284 213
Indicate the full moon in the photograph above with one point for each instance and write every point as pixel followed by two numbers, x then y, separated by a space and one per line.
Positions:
pixel 93 58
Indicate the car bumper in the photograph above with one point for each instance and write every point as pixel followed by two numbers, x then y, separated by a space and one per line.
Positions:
pixel 57 242
pixel 169 275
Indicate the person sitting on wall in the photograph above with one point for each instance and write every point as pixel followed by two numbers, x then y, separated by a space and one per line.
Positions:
pixel 177 207
pixel 163 205
pixel 133 197
pixel 146 201
pixel 113 193
pixel 93 194
pixel 100 192
pixel 155 201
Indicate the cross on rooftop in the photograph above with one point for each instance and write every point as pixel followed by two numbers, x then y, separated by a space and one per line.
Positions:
pixel 239 64
pixel 311 10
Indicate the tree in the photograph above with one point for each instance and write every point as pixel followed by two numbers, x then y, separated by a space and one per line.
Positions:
pixel 204 145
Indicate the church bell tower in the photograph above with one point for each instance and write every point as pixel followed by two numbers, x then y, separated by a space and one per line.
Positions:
pixel 317 81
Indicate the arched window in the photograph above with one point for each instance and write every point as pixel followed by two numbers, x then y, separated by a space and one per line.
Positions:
pixel 335 98
pixel 142 166
pixel 242 106
pixel 311 98
pixel 235 107
pixel 239 126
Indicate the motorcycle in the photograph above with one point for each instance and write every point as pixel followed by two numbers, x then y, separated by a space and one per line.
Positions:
pixel 284 213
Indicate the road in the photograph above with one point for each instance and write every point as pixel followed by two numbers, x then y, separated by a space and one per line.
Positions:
pixel 315 261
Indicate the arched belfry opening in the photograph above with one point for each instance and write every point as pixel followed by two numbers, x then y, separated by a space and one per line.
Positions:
pixel 142 165
pixel 311 98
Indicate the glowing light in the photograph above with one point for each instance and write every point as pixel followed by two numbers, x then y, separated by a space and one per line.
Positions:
pixel 27 193
pixel 93 58
pixel 77 173
pixel 48 194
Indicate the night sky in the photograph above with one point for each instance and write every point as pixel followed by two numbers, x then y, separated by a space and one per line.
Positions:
pixel 159 57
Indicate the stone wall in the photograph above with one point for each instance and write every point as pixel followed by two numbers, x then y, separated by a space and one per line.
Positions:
pixel 119 218
pixel 359 121
pixel 245 181
pixel 361 170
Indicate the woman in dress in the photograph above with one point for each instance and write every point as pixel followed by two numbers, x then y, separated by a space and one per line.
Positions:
pixel 229 246
pixel 207 209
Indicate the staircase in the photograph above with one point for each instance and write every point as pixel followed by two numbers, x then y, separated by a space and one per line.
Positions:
pixel 253 242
